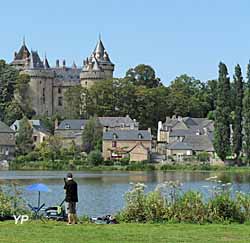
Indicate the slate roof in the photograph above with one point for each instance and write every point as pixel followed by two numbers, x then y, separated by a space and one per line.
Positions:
pixel 36 124
pixel 177 145
pixel 35 61
pixel 181 132
pixel 128 135
pixel 199 143
pixel 117 121
pixel 72 124
pixel 5 129
pixel 67 74
pixel 20 54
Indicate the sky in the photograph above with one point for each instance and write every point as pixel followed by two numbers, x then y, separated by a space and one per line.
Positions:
pixel 173 36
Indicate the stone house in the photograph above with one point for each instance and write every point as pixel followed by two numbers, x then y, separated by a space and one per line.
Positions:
pixel 133 144
pixel 70 131
pixel 40 132
pixel 7 142
pixel 187 136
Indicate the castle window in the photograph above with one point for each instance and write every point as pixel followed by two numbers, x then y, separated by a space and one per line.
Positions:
pixel 59 90
pixel 60 101
pixel 43 95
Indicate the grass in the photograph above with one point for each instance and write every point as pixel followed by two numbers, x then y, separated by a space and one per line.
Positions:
pixel 56 232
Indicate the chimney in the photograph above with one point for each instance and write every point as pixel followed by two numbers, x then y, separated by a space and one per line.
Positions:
pixel 57 63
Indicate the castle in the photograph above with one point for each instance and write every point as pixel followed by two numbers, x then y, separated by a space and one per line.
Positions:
pixel 48 85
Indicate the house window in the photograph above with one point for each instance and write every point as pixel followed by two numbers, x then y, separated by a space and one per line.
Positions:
pixel 7 152
pixel 35 138
pixel 114 144
pixel 59 90
pixel 86 83
pixel 60 101
pixel 67 126
pixel 1 150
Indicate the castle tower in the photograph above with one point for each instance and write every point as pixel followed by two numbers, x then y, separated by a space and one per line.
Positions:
pixel 21 57
pixel 97 67
pixel 41 84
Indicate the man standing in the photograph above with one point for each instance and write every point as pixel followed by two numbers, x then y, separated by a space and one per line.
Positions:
pixel 71 198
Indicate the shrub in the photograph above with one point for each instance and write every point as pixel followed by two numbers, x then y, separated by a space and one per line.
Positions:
pixel 223 208
pixel 203 157
pixel 32 156
pixel 124 161
pixel 95 158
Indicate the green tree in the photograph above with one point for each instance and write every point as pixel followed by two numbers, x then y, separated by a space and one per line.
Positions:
pixel 246 115
pixel 188 97
pixel 76 100
pixel 222 114
pixel 22 94
pixel 13 112
pixel 24 139
pixel 143 75
pixel 8 76
pixel 237 123
pixel 92 135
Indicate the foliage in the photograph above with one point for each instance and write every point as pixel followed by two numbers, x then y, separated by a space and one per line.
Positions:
pixel 143 75
pixel 169 203
pixel 8 76
pixel 24 139
pixel 95 158
pixel 92 135
pixel 246 115
pixel 222 114
pixel 237 123
pixel 203 157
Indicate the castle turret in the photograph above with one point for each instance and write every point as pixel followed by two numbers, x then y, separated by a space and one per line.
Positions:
pixel 40 85
pixel 97 67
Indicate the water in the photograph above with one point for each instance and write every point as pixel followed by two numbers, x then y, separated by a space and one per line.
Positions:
pixel 102 193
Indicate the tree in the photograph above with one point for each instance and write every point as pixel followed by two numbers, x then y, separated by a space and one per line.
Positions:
pixel 13 112
pixel 246 115
pixel 222 114
pixel 24 138
pixel 21 94
pixel 75 98
pixel 8 76
pixel 237 123
pixel 143 75
pixel 188 97
pixel 92 135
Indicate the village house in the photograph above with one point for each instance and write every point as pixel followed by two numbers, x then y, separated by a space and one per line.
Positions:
pixel 7 142
pixel 39 134
pixel 70 132
pixel 180 137
pixel 133 144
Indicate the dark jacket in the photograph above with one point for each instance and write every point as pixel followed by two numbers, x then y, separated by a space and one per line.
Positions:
pixel 71 191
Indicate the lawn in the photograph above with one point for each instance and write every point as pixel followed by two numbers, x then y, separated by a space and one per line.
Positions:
pixel 52 232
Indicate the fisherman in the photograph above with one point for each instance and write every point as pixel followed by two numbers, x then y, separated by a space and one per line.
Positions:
pixel 71 198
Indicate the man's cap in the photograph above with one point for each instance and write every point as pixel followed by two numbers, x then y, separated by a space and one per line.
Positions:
pixel 69 175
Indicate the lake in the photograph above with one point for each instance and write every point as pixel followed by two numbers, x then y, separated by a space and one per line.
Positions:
pixel 102 193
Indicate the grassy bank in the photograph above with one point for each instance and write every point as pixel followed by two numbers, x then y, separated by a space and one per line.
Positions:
pixel 37 232
pixel 134 166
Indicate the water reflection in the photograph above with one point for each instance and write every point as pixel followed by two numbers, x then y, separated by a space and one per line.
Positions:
pixel 103 192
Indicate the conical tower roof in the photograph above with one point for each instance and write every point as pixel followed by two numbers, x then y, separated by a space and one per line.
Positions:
pixel 99 48
pixel 23 52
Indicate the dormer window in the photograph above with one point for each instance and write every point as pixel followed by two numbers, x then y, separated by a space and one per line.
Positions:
pixel 67 126
pixel 115 136
pixel 140 136
pixel 82 127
